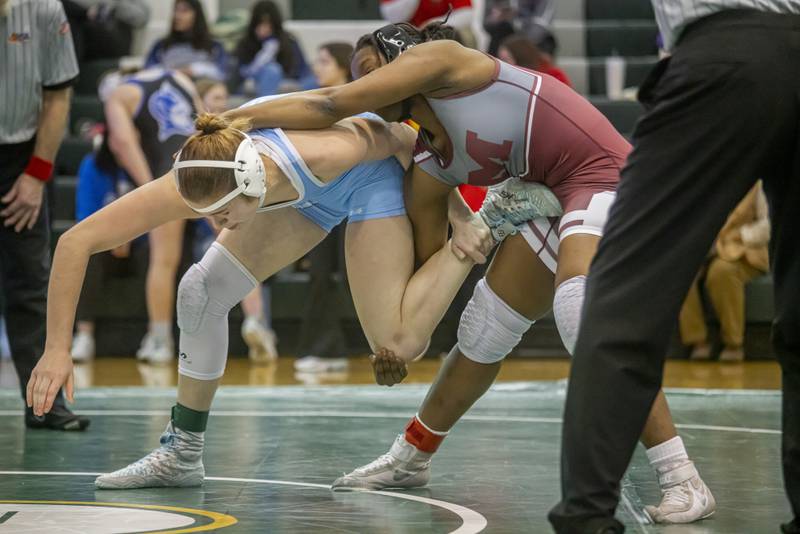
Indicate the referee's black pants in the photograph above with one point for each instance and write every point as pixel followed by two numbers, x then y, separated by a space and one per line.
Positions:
pixel 722 112
pixel 24 273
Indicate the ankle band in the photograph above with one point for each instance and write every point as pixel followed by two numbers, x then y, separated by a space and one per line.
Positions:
pixel 422 437
pixel 188 419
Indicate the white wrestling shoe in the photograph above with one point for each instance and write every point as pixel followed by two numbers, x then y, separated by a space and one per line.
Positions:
pixel 261 341
pixel 315 364
pixel 155 350
pixel 82 347
pixel 684 497
pixel 514 202
pixel 177 463
pixel 404 466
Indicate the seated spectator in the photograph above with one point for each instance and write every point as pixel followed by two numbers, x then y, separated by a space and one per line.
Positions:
pixel 503 18
pixel 189 46
pixel 213 93
pixel 332 64
pixel 521 50
pixel 422 12
pixel 270 57
pixel 544 39
pixel 739 255
pixel 103 29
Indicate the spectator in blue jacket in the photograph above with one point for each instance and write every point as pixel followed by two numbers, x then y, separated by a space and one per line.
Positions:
pixel 189 46
pixel 270 56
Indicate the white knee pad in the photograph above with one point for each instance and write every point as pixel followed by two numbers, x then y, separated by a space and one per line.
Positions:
pixel 489 328
pixel 567 307
pixel 206 294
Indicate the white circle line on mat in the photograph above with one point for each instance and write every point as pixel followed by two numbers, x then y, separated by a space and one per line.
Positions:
pixel 471 521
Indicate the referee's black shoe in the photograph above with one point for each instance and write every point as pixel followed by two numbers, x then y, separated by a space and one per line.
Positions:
pixel 791 528
pixel 59 418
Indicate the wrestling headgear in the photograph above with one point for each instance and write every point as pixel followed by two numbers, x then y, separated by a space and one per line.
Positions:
pixel 392 40
pixel 251 179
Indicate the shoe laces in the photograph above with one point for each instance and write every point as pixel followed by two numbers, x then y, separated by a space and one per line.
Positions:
pixel 385 461
pixel 676 495
pixel 150 463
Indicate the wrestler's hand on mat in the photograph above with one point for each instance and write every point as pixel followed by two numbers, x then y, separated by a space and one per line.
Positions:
pixel 53 371
pixel 389 369
pixel 471 239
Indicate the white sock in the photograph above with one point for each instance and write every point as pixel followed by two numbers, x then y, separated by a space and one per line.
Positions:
pixel 668 455
pixel 429 429
pixel 161 331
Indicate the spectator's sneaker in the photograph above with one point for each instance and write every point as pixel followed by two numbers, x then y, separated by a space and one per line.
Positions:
pixel 684 497
pixel 146 347
pixel 261 341
pixel 163 353
pixel 156 376
pixel 316 379
pixel 731 354
pixel 177 463
pixel 58 418
pixel 155 350
pixel 514 202
pixel 82 347
pixel 404 466
pixel 315 364
pixel 700 352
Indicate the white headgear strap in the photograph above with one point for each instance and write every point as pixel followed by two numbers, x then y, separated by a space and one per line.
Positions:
pixel 248 169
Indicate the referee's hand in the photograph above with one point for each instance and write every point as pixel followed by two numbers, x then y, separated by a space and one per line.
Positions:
pixel 53 371
pixel 24 201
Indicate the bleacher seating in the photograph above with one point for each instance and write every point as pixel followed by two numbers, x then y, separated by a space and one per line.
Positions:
pixel 619 10
pixel 626 38
pixel 636 69
pixel 63 204
pixel 623 114
pixel 84 108
pixel 760 300
pixel 339 10
pixel 627 26
pixel 70 155
pixel 91 72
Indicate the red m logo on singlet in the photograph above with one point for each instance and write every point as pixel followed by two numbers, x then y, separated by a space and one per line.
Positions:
pixel 490 156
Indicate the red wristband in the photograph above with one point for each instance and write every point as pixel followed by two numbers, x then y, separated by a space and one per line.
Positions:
pixel 39 168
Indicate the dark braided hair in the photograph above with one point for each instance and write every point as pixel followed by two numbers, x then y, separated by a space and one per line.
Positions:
pixel 435 31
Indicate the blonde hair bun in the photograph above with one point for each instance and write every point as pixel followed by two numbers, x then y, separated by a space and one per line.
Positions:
pixel 209 123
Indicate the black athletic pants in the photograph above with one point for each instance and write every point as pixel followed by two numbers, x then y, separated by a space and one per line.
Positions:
pixel 322 331
pixel 723 112
pixel 25 271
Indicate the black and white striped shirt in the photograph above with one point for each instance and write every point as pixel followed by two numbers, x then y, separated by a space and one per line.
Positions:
pixel 36 52
pixel 674 15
